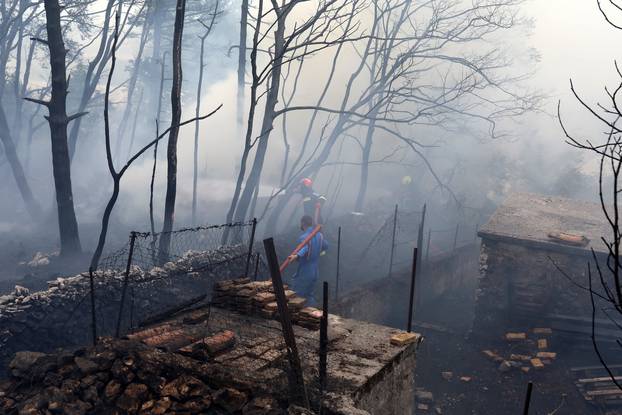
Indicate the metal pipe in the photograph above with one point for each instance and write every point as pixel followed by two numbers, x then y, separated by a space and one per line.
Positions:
pixel 411 301
pixel 323 345
pixel 528 398
pixel 93 318
pixel 338 264
pixel 393 241
pixel 297 390
pixel 125 282
pixel 250 248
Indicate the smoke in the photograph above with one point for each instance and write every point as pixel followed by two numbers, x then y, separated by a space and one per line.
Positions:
pixel 478 171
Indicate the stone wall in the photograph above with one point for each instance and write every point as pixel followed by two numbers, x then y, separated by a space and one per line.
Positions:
pixel 61 315
pixel 520 285
pixel 455 271
pixel 392 390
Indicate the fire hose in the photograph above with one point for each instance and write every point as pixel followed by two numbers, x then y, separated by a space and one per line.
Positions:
pixel 300 246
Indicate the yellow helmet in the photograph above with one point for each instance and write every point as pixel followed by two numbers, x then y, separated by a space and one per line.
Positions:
pixel 406 180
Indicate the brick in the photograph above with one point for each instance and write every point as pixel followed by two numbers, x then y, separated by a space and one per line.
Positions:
pixel 543 344
pixel 289 293
pixel 542 330
pixel 311 312
pixel 546 355
pixel 296 302
pixel 520 357
pixel 492 356
pixel 273 306
pixel 525 369
pixel 465 379
pixel 515 336
pixel 402 339
pixel 220 341
pixel 537 363
pixel 264 297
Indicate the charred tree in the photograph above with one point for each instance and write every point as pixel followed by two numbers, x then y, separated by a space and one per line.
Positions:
pixel 171 155
pixel 242 62
pixel 118 175
pixel 58 121
pixel 155 147
pixel 195 165
pixel 32 206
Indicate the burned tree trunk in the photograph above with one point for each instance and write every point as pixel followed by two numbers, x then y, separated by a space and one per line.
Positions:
pixel 58 120
pixel 195 172
pixel 33 208
pixel 171 178
pixel 91 79
pixel 272 99
pixel 242 62
pixel 366 153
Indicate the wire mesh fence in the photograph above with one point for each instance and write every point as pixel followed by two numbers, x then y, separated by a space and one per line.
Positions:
pixel 155 272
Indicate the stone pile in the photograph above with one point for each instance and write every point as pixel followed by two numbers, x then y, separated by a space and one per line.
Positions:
pixel 122 377
pixel 60 316
pixel 258 298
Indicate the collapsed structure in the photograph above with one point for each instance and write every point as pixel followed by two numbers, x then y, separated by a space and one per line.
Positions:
pixel 534 257
pixel 217 360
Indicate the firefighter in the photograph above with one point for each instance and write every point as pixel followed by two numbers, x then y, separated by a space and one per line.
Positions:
pixel 312 202
pixel 308 261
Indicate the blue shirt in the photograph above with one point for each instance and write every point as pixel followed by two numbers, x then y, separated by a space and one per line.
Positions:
pixel 309 255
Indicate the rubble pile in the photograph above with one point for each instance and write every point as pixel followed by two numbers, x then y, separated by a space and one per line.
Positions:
pixel 525 351
pixel 60 316
pixel 258 298
pixel 122 377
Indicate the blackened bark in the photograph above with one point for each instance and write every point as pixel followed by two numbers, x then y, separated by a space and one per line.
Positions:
pixel 58 120
pixel 171 155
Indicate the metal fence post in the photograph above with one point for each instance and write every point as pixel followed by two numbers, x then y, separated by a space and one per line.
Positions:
pixel 256 266
pixel 125 282
pixel 93 318
pixel 427 248
pixel 250 248
pixel 323 345
pixel 528 398
pixel 297 390
pixel 393 241
pixel 411 301
pixel 338 264
pixel 419 244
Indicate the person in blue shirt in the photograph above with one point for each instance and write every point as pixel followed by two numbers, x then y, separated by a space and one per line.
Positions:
pixel 308 261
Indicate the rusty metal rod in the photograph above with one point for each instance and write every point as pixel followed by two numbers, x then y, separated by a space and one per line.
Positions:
pixel 297 390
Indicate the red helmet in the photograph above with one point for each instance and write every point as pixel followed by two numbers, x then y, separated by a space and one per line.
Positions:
pixel 306 182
